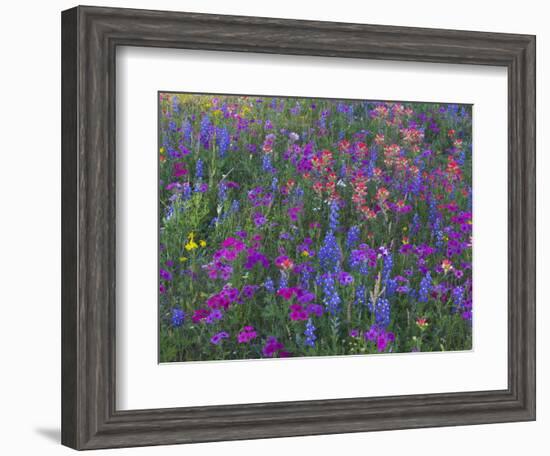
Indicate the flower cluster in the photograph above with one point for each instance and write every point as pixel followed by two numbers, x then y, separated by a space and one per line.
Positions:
pixel 304 227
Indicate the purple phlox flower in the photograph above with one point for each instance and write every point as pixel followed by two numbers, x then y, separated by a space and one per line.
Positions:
pixel 231 293
pixel 362 258
pixel 384 338
pixel 176 187
pixel 165 275
pixel 259 219
pixel 218 269
pixel 379 335
pixel 406 249
pixel 242 234
pixel 402 289
pixel 258 197
pixel 246 335
pixel 304 296
pixel 233 243
pixel 254 257
pixel 230 249
pixel 345 278
pixel 248 291
pixel 214 316
pixel 217 338
pixel 315 309
pixel 218 301
pixel 183 150
pixel 272 346
pixel 314 225
pixel 293 212
pixel 202 188
pixel 371 334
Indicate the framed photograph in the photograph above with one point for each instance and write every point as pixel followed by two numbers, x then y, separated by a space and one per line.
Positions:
pixel 283 228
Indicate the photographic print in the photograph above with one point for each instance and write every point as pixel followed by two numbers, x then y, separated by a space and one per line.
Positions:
pixel 294 227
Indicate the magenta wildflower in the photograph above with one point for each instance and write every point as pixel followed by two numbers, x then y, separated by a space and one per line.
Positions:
pixel 287 293
pixel 200 315
pixel 379 335
pixel 293 213
pixel 272 346
pixel 246 335
pixel 297 312
pixel 255 257
pixel 179 170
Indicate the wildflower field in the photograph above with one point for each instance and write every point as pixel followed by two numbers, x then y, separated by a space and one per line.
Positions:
pixel 313 227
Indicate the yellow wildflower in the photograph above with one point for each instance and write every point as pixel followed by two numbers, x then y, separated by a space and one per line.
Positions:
pixel 191 245
pixel 305 253
pixel 182 259
pixel 202 243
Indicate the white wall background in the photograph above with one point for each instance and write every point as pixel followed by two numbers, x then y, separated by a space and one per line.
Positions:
pixel 30 225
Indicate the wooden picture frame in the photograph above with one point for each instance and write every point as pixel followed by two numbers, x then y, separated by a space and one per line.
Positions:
pixel 90 36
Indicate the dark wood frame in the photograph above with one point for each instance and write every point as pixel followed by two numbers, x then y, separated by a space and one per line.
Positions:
pixel 90 36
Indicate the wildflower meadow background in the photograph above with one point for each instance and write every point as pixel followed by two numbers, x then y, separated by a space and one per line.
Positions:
pixel 313 227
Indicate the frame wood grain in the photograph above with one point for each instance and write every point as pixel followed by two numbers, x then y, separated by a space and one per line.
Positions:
pixel 90 36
